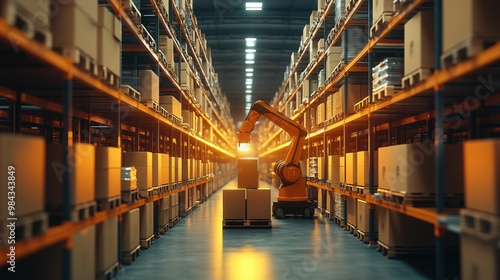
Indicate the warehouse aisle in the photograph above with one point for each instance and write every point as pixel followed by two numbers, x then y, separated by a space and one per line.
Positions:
pixel 198 248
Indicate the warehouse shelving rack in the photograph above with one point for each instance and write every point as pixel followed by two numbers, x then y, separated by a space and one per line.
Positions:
pixel 423 106
pixel 68 101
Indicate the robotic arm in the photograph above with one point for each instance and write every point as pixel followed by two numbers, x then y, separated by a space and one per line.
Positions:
pixel 288 169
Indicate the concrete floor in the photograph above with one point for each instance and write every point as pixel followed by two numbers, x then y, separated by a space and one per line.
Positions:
pixel 199 248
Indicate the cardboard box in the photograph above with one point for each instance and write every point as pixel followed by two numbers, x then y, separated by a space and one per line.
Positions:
pixel 248 173
pixel 258 204
pixel 332 60
pixel 333 169
pixel 74 28
pixel 482 179
pixel 352 208
pixel 342 174
pixel 146 220
pixel 479 258
pixel 143 163
pixel 330 203
pixel 108 41
pixel 149 86
pixel 350 167
pixel 234 204
pixel 363 220
pixel 179 169
pixel 83 254
pixel 381 6
pixel 157 170
pixel 410 168
pixel 320 114
pixel 26 154
pixel 467 19
pixel 81 173
pixel 396 229
pixel 166 45
pixel 108 172
pixel 354 95
pixel 419 42
pixel 363 168
pixel 106 244
pixel 130 230
pixel 171 104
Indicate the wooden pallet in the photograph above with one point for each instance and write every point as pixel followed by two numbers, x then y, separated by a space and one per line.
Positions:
pixel 350 5
pixel 105 204
pixel 398 5
pixel 328 214
pixel 147 242
pixel 385 92
pixel 146 193
pixel 361 104
pixel 164 228
pixel 420 199
pixel 130 196
pixel 107 76
pixel 351 188
pixel 173 222
pixel 163 112
pixel 147 37
pixel 109 273
pixel 78 212
pixel 80 59
pixel 380 24
pixel 150 103
pixel 339 221
pixel 130 91
pixel 161 189
pixel 362 236
pixel 465 50
pixel 229 223
pixel 129 257
pixel 416 77
pixel 30 225
pixel 132 11
pixel 481 225
pixel 27 23
pixel 351 228
pixel 364 189
pixel 162 58
pixel 394 251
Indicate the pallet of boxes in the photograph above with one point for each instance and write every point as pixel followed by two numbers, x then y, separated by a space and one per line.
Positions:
pixel 480 219
pixel 248 206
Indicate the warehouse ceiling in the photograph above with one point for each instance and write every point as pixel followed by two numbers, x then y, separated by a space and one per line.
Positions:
pixel 277 28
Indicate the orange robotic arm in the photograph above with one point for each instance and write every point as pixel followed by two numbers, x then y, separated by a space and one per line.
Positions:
pixel 287 169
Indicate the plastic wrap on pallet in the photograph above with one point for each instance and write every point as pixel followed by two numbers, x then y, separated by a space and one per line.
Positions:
pixel 321 78
pixel 339 11
pixel 388 72
pixel 356 40
pixel 129 177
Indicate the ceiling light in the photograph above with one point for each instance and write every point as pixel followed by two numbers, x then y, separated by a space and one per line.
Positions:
pixel 248 91
pixel 248 82
pixel 249 70
pixel 249 86
pixel 248 97
pixel 250 42
pixel 250 50
pixel 249 74
pixel 250 56
pixel 253 6
pixel 249 62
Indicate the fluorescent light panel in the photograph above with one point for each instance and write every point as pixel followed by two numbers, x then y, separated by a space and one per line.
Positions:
pixel 250 56
pixel 249 86
pixel 248 91
pixel 249 70
pixel 248 97
pixel 249 62
pixel 253 6
pixel 250 42
pixel 250 50
pixel 249 74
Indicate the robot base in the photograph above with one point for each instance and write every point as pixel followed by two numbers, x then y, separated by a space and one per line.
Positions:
pixel 281 209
